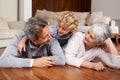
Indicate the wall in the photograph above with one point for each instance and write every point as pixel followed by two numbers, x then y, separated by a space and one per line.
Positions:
pixel 8 9
pixel 109 7
pixel 25 9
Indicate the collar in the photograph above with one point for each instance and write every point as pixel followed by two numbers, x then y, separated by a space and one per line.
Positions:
pixel 32 46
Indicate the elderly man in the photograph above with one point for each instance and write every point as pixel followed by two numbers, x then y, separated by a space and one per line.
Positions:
pixel 41 49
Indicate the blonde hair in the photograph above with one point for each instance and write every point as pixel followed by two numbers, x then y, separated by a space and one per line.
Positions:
pixel 69 19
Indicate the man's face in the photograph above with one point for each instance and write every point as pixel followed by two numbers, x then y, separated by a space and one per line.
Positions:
pixel 43 37
pixel 90 38
pixel 62 30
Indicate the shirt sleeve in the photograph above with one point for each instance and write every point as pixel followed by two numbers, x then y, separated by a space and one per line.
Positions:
pixel 57 52
pixel 9 56
pixel 72 48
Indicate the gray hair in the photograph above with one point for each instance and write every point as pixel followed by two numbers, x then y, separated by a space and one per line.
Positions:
pixel 30 28
pixel 102 31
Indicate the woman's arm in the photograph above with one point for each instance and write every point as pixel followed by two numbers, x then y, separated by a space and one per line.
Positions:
pixel 96 65
pixel 111 47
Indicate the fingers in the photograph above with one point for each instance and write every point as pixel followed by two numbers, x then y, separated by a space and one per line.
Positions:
pixel 43 62
pixel 99 66
pixel 24 48
pixel 49 63
pixel 21 48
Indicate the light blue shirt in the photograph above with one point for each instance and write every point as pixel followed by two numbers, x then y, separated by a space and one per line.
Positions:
pixel 62 39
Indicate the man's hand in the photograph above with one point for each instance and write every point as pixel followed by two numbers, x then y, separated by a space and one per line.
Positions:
pixel 43 62
pixel 98 66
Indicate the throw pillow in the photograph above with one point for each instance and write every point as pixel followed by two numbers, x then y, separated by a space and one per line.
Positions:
pixel 94 16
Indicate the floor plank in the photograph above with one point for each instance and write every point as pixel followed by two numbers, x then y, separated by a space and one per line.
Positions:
pixel 57 73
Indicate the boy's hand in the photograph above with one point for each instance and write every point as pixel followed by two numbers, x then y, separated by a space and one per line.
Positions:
pixel 21 47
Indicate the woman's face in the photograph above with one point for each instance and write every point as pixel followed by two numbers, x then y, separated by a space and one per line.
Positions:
pixel 62 30
pixel 90 38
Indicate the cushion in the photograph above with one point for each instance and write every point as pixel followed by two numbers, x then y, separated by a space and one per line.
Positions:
pixel 16 24
pixel 82 16
pixel 40 13
pixel 49 16
pixel 105 20
pixel 3 24
pixel 94 17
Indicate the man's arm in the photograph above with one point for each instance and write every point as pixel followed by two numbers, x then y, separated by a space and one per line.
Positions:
pixel 9 56
pixel 57 52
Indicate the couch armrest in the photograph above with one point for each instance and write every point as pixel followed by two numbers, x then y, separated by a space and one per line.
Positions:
pixel 16 24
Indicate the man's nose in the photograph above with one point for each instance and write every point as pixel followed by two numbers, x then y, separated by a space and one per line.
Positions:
pixel 49 36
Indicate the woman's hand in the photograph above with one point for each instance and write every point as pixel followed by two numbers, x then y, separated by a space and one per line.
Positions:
pixel 98 66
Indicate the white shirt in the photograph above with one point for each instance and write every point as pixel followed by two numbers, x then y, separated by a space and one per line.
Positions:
pixel 74 50
pixel 75 53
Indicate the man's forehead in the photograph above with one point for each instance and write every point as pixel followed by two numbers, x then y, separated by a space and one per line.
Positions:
pixel 44 31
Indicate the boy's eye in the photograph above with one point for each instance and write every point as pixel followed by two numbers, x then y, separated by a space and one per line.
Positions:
pixel 63 28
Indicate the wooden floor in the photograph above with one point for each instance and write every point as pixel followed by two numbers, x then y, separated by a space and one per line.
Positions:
pixel 58 73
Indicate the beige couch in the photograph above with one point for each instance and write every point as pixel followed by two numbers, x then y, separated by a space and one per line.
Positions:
pixel 86 19
pixel 8 30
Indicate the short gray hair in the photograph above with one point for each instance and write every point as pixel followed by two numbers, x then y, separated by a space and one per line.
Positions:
pixel 30 28
pixel 102 31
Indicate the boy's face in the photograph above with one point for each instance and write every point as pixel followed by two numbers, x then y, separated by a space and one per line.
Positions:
pixel 62 29
pixel 43 37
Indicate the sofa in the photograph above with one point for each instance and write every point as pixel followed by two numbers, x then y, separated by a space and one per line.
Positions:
pixel 86 19
pixel 8 29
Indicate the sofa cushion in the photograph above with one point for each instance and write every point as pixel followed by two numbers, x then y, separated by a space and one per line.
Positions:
pixel 82 16
pixel 6 34
pixel 105 20
pixel 16 24
pixel 94 17
pixel 3 24
pixel 49 16
pixel 40 13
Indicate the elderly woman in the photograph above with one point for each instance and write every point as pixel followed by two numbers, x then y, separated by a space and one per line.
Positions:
pixel 96 42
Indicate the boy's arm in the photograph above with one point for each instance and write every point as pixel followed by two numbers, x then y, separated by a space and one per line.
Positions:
pixel 21 45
